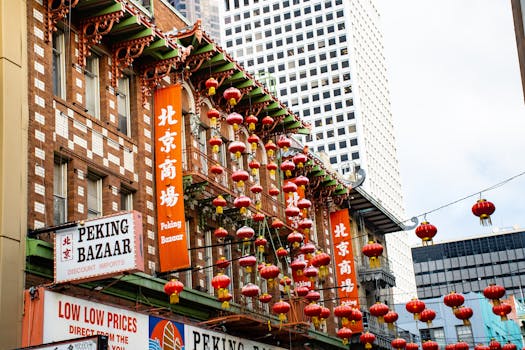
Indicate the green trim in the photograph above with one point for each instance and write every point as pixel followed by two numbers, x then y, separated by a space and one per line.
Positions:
pixel 110 9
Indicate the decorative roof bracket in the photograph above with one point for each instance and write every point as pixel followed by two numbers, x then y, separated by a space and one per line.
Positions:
pixel 124 53
pixel 55 12
pixel 153 73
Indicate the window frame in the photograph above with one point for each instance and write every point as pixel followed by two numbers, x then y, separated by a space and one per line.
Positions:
pixel 59 64
pixel 124 91
pixel 92 85
pixel 60 169
pixel 97 180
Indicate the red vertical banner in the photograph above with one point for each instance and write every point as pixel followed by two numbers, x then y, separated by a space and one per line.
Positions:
pixel 344 262
pixel 171 225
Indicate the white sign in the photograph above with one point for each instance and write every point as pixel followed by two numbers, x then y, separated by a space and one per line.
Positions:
pixel 203 339
pixel 66 317
pixel 88 344
pixel 100 247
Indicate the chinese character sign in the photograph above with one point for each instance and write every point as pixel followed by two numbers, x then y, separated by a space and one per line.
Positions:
pixel 171 225
pixel 344 262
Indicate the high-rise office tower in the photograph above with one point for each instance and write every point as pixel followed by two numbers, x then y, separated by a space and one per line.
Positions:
pixel 208 10
pixel 325 59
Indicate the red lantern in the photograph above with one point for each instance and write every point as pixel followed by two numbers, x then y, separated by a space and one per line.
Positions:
pixel 260 243
pixel 287 167
pixel 481 347
pixel 234 119
pixel 307 250
pixel 239 177
pixel 356 316
pixel 225 299
pixel 302 291
pixel 250 290
pixel 379 310
pixel 270 148
pixel 253 140
pixel 284 143
pixel 245 233
pixel 430 345
pixel 494 345
pixel 399 343
pixel 248 262
pixel 390 318
pixel 211 84
pixel 291 211
pixel 215 143
pixel 237 148
pixel 305 225
pixel 213 115
pixel 281 252
pixel 367 339
pixel 256 189
pixel 273 191
pixel 483 209
pixel 426 231
pixel 344 312
pixel 344 333
pixel 453 300
pixel 251 120
pixel 461 346
pixel 265 298
pixel 311 272
pixel 373 250
pixel 217 169
pixel 494 292
pixel 281 308
pixel 289 188
pixel 502 310
pixel 313 295
pixel 304 204
pixel 450 347
pixel 298 266
pixel 427 315
pixel 269 273
pixel 295 238
pixel 242 203
pixel 321 260
pixel 313 311
pixel 272 167
pixel 509 346
pixel 299 159
pixel 302 181
pixel 412 346
pixel 220 233
pixel 325 313
pixel 254 165
pixel 267 121
pixel 222 263
pixel 415 306
pixel 286 282
pixel 220 282
pixel 173 288
pixel 464 313
pixel 277 224
pixel 232 95
pixel 219 204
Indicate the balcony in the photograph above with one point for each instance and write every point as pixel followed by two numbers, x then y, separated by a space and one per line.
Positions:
pixel 372 278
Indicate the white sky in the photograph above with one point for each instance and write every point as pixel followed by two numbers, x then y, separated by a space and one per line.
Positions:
pixel 458 109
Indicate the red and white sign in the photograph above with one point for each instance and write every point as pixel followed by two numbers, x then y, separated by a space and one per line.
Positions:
pixel 98 248
pixel 344 262
pixel 54 317
pixel 171 225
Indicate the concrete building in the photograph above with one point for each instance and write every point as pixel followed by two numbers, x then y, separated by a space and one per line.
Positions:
pixel 207 10
pixel 325 60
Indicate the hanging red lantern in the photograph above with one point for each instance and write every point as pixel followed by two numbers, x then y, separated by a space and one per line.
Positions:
pixel 269 273
pixel 450 347
pixel 313 311
pixel 219 204
pixel 481 347
pixel 311 272
pixel 284 143
pixel 325 313
pixel 254 165
pixel 367 339
pixel 412 346
pixel 373 250
pixel 270 148
pixel 245 233
pixel 430 345
pixel 494 345
pixel 415 306
pixel 273 191
pixel 220 233
pixel 173 288
pixel 312 296
pixel 220 283
pixel 255 189
pixel 461 346
pixel 285 282
pixel 494 292
pixel 281 252
pixel 234 119
pixel 307 250
pixel 216 169
pixel 277 224
pixel 215 143
pixel 242 203
pixel 213 115
pixel 287 167
pixel 299 159
pixel 390 318
pixel 250 290
pixel 261 243
pixel 265 298
pixel 237 148
pixel 225 299
pixel 464 313
pixel 232 95
pixel 344 312
pixel 427 315
pixel 379 310
pixel 356 316
pixel 509 346
pixel 281 308
pixel 483 209
pixel 399 343
pixel 295 238
pixel 251 120
pixel 254 141
pixel 426 231
pixel 248 262
pixel 502 310
pixel 211 84
pixel 302 291
pixel 298 266
pixel 291 211
pixel 321 260
pixel 222 263
pixel 305 225
pixel 239 177
pixel 304 204
pixel 344 333
pixel 302 181
pixel 267 121
pixel 289 188
pixel 272 167
pixel 453 300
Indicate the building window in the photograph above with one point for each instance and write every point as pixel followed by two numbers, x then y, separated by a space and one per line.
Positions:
pixel 342 144
pixel 355 155
pixel 91 75
pixel 60 193
pixel 123 100
pixel 437 334
pixel 126 199
pixel 59 65
pixel 353 142
pixel 464 333
pixel 94 196
pixel 331 146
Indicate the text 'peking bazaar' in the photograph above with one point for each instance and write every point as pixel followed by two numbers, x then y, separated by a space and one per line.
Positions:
pixel 172 203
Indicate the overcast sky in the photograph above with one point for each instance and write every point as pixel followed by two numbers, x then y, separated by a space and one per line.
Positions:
pixel 458 109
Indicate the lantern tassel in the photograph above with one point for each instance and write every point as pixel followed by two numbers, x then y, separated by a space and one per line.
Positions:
pixel 225 305
pixel 466 322
pixel 368 346
pixel 485 220
pixel 174 298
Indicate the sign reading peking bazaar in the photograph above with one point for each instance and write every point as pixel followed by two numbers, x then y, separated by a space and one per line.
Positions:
pixel 171 225
pixel 99 248
pixel 344 262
